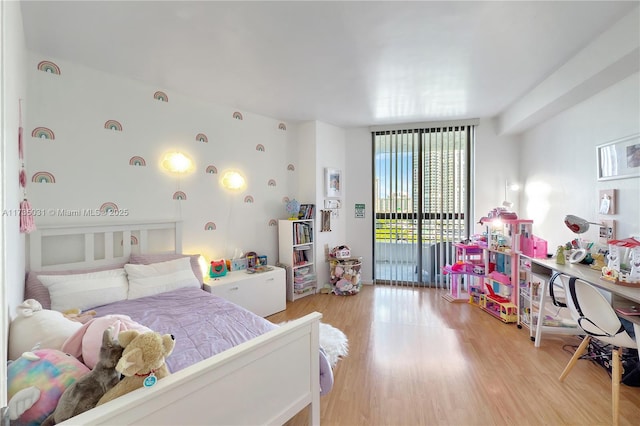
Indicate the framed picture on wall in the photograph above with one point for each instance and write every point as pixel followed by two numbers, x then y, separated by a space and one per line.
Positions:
pixel 619 159
pixel 333 182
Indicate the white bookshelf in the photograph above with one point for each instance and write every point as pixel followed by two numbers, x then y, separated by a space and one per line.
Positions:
pixel 297 253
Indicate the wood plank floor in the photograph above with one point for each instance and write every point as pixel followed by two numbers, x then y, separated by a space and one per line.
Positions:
pixel 416 359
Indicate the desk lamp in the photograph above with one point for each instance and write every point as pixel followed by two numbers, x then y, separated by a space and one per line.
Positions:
pixel 579 226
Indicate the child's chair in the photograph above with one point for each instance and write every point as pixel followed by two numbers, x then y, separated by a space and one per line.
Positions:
pixel 598 319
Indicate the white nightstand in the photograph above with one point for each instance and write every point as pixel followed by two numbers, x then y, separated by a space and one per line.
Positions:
pixel 263 293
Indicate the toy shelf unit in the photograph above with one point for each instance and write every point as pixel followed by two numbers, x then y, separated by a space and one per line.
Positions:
pixel 538 313
pixel 496 292
pixel 296 245
pixel 505 238
pixel 466 274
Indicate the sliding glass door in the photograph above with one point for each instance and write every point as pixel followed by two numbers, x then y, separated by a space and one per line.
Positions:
pixel 422 198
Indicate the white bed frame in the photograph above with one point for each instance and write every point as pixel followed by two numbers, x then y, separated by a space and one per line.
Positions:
pixel 266 380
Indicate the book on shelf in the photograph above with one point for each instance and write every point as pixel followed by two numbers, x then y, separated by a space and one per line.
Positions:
pixel 302 233
pixel 306 211
pixel 300 257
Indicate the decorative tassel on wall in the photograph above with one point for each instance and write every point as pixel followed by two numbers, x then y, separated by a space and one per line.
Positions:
pixel 27 223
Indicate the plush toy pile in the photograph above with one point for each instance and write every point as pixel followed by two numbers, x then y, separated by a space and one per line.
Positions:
pixel 50 385
pixel 142 362
pixel 84 394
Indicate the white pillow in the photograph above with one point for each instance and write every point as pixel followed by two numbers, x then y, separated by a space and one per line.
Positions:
pixel 84 291
pixel 147 280
pixel 36 326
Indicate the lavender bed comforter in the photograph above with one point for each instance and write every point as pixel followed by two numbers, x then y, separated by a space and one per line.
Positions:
pixel 203 325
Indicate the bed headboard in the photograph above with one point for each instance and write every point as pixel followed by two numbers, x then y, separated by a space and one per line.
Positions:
pixel 64 247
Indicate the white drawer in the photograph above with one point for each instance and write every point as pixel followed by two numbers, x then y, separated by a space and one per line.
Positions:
pixel 262 293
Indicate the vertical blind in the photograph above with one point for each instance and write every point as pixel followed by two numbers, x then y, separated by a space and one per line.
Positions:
pixel 422 196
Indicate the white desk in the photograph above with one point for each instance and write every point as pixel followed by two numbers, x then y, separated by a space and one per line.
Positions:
pixel 620 295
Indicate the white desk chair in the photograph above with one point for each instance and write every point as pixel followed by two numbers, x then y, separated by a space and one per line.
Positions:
pixel 598 319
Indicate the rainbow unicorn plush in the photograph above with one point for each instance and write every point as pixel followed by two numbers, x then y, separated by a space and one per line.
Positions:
pixel 36 381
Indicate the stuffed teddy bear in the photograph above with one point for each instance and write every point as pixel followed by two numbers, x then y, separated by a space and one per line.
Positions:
pixel 84 394
pixel 36 381
pixel 142 362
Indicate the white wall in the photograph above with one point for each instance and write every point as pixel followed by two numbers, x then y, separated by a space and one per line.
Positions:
pixel 359 175
pixel 330 152
pixel 91 167
pixel 558 164
pixel 306 154
pixel 13 89
pixel 495 163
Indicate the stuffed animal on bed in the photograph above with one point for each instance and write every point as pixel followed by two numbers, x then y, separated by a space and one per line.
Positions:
pixel 85 343
pixel 142 362
pixel 84 394
pixel 36 381
pixel 34 326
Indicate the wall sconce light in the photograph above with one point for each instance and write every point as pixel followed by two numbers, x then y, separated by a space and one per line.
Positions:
pixel 177 162
pixel 233 180
pixel 507 186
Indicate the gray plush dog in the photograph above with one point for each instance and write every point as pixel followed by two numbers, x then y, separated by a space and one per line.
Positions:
pixel 84 394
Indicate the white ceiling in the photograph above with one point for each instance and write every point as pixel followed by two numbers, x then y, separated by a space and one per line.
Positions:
pixel 344 63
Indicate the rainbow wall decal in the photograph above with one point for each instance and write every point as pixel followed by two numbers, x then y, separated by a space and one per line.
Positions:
pixel 113 125
pixel 134 241
pixel 238 116
pixel 43 177
pixel 209 226
pixel 273 222
pixel 285 199
pixel 291 168
pixel 201 137
pixel 108 207
pixel 137 161
pixel 212 169
pixel 248 199
pixel 272 182
pixel 282 126
pixel 179 195
pixel 43 133
pixel 161 96
pixel 260 147
pixel 50 67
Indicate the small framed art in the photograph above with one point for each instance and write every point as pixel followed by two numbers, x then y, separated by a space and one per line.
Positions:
pixel 333 182
pixel 619 159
